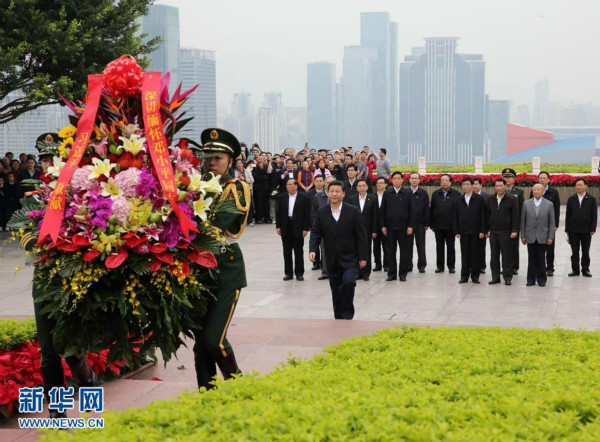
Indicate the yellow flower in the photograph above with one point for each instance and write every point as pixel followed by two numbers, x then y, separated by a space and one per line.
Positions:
pixel 100 167
pixel 67 132
pixel 201 207
pixel 105 243
pixel 65 147
pixel 110 189
pixel 211 186
pixel 133 144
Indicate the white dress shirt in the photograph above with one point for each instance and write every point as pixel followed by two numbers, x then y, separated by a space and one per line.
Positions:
pixel 467 199
pixel 537 202
pixel 379 198
pixel 580 197
pixel 291 204
pixel 499 200
pixel 361 202
pixel 415 189
pixel 336 213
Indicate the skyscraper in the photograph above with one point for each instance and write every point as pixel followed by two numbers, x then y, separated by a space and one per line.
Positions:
pixel 267 129
pixel 163 21
pixel 273 99
pixel 20 135
pixel 442 99
pixel 356 101
pixel 197 66
pixel 321 105
pixel 241 121
pixel 498 112
pixel 540 103
pixel 377 31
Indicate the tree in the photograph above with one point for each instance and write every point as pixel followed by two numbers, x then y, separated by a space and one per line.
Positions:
pixel 49 47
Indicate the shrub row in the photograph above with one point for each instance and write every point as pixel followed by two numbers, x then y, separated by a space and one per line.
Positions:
pixel 14 333
pixel 405 384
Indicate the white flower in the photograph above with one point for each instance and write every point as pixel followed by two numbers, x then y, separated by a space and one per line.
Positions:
pixel 110 188
pixel 211 186
pixel 201 207
pixel 100 167
pixel 195 181
pixel 133 144
pixel 129 129
pixel 55 169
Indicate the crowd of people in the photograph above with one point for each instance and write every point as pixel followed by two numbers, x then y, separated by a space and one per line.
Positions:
pixel 290 188
pixel 13 172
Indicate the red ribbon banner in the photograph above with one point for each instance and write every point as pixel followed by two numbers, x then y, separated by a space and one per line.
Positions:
pixel 158 147
pixel 56 206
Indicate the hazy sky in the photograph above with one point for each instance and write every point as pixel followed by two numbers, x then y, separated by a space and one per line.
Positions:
pixel 264 45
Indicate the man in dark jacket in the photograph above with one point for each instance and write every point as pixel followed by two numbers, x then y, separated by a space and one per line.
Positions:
pixel 293 223
pixel 477 189
pixel 441 222
pixel 261 174
pixel 341 228
pixel 421 208
pixel 552 195
pixel 367 204
pixel 509 176
pixel 580 225
pixel 397 221
pixel 469 226
pixel 502 226
pixel 320 200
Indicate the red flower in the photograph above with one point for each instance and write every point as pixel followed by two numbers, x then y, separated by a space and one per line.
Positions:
pixel 116 259
pixel 90 255
pixel 205 259
pixel 123 77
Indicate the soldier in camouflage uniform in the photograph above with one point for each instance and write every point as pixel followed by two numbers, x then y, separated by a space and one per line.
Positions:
pixel 219 150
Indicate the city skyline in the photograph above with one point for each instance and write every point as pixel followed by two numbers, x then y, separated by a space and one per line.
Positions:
pixel 522 43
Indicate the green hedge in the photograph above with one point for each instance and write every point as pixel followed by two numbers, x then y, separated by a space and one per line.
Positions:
pixel 14 333
pixel 497 168
pixel 405 384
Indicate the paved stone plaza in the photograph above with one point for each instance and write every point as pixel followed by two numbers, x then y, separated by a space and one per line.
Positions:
pixel 275 319
pixel 423 299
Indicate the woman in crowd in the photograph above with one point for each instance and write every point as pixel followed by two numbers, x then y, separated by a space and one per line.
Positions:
pixel 306 177
pixel 322 170
pixel 372 168
pixel 250 181
pixel 12 192
pixel 15 168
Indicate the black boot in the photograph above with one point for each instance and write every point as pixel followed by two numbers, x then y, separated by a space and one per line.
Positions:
pixel 206 370
pixel 228 366
pixel 81 371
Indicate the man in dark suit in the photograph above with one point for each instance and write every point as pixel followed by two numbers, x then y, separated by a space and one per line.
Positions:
pixel 477 189
pixel 580 225
pixel 321 200
pixel 293 223
pixel 341 228
pixel 537 231
pixel 421 209
pixel 502 226
pixel 319 181
pixel 509 176
pixel 379 245
pixel 552 195
pixel 367 204
pixel 261 174
pixel 441 222
pixel 469 225
pixel 351 182
pixel 397 221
